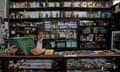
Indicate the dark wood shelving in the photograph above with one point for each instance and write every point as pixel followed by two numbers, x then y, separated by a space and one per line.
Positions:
pixel 74 49
pixel 35 0
pixel 92 41
pixel 104 19
pixel 85 9
pixel 51 0
pixel 93 26
pixel 41 19
pixel 86 68
pixel 65 39
pixel 61 56
pixel 53 68
pixel 36 9
pixel 84 0
pixel 62 16
pixel 62 28
pixel 59 9
pixel 92 33
pixel 33 19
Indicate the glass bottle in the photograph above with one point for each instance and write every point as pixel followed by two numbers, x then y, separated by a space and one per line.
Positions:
pixel 46 3
pixel 72 4
pixel 107 4
pixel 55 4
pixel 40 14
pixel 41 4
pixel 79 5
pixel 14 5
pixel 57 15
pixel 46 15
pixel 77 15
pixel 62 4
pixel 51 15
pixel 64 14
pixel 34 4
pixel 27 4
pixel 72 15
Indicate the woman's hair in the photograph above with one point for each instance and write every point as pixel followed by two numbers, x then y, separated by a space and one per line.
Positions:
pixel 40 28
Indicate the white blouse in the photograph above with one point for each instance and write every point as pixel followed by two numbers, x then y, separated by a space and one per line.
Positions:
pixel 39 44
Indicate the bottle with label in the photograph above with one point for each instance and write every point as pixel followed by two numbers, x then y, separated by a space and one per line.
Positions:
pixel 51 14
pixel 56 14
pixel 79 5
pixel 34 4
pixel 55 4
pixel 62 4
pixel 40 15
pixel 46 3
pixel 64 14
pixel 72 15
pixel 46 15
pixel 72 3
pixel 77 15
pixel 27 4
pixel 13 5
pixel 40 4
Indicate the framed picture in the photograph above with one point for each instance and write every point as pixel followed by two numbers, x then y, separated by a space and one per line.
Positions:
pixel 115 41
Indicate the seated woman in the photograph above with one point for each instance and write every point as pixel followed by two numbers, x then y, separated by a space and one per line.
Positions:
pixel 40 42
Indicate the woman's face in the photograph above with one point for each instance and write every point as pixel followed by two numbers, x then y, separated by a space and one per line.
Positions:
pixel 41 36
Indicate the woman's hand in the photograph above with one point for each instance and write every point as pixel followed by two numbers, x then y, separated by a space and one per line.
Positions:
pixel 38 51
pixel 12 49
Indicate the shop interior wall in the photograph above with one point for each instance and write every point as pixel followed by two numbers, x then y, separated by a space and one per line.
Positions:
pixel 2 5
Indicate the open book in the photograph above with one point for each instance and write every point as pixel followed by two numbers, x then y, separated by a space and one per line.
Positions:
pixel 24 44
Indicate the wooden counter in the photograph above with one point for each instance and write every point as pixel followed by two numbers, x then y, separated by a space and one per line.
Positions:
pixel 61 56
pixel 5 59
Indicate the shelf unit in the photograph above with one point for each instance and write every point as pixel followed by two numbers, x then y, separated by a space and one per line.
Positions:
pixel 35 12
pixel 93 16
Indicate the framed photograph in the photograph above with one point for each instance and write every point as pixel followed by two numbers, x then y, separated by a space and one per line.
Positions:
pixel 115 41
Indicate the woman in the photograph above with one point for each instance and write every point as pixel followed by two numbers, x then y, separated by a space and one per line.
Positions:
pixel 40 42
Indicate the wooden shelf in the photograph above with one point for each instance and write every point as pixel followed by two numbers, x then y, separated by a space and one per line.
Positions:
pixel 59 9
pixel 36 9
pixel 35 0
pixel 41 19
pixel 52 0
pixel 86 68
pixel 55 68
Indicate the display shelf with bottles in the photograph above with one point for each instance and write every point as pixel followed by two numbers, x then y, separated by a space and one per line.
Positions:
pixel 73 5
pixel 94 34
pixel 62 33
pixel 19 29
pixel 90 65
pixel 35 65
pixel 96 15
pixel 69 25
